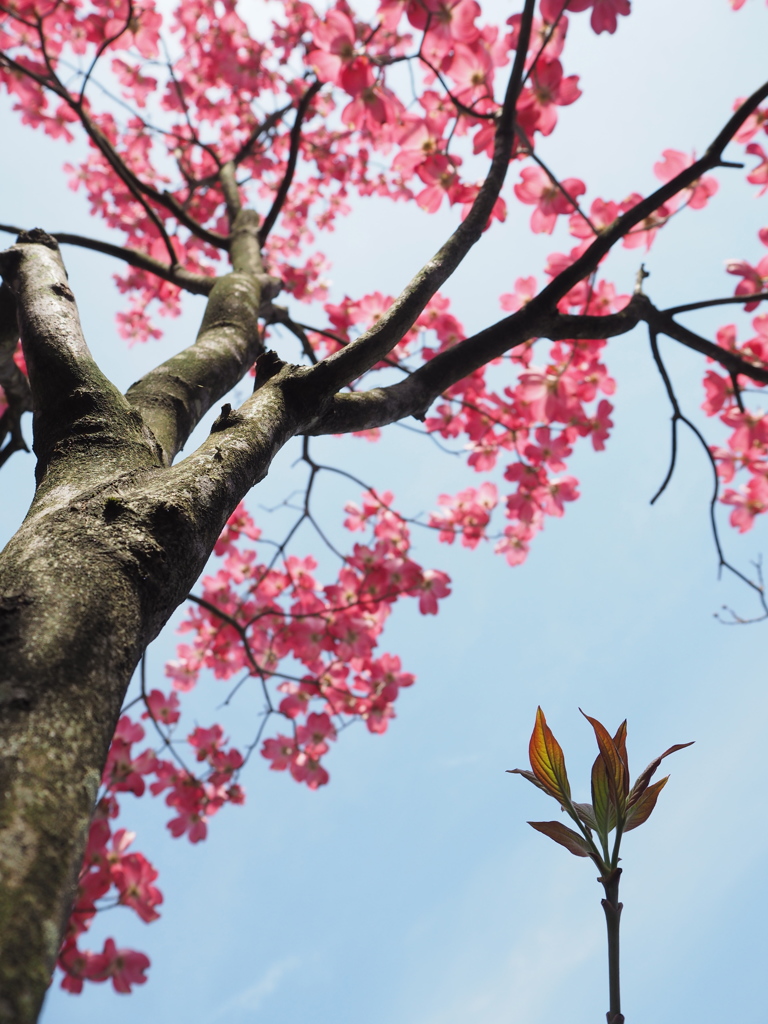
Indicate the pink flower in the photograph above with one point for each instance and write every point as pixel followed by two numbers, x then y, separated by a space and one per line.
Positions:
pixel 748 503
pixel 122 772
pixel 206 741
pixel 604 12
pixel 759 176
pixel 550 199
pixel 645 232
pixel 602 216
pixel 549 89
pixel 307 769
pixel 239 522
pixel 753 124
pixel 133 875
pixel 162 708
pixel 371 108
pixel 336 59
pixel 314 734
pixel 516 543
pixel 78 966
pixel 754 279
pixel 674 163
pixel 472 71
pixel 525 289
pixel 467 514
pixel 280 751
pixel 600 425
pixel 558 491
pixel 125 967
pixel 719 391
pixel 447 22
pixel 418 142
pixel 550 450
pixel 442 180
pixel 433 588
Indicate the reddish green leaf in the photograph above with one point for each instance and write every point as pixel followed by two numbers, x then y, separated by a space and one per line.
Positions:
pixel 641 810
pixel 641 783
pixel 565 836
pixel 602 799
pixel 614 765
pixel 548 761
pixel 530 776
pixel 587 814
pixel 620 742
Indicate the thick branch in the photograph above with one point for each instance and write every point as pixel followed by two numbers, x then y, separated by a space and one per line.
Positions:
pixel 88 581
pixel 228 183
pixel 414 395
pixel 74 405
pixel 245 247
pixel 363 410
pixel 173 397
pixel 13 382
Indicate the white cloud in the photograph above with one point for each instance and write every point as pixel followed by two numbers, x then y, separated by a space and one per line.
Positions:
pixel 250 1000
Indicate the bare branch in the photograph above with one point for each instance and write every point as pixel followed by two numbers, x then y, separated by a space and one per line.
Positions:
pixel 244 151
pixel 280 315
pixel 735 300
pixel 197 284
pixel 679 417
pixel 661 321
pixel 285 184
pixel 104 45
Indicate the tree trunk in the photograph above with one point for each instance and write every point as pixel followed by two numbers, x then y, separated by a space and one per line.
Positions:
pixel 113 542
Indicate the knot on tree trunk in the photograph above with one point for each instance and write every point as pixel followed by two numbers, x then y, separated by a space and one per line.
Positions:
pixel 37 236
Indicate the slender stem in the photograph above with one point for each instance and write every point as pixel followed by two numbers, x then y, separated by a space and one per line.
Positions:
pixel 612 909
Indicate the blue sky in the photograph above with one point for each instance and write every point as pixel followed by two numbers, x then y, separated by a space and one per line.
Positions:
pixel 411 889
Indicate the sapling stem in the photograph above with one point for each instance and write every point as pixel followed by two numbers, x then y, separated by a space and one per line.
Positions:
pixel 616 805
pixel 612 909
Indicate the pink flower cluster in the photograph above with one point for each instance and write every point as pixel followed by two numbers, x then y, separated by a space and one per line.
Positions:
pixel 753 278
pixel 537 420
pixel 745 453
pixel 111 875
pixel 255 616
pixel 222 74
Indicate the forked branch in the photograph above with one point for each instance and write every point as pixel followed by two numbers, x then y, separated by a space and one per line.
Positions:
pixel 338 369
